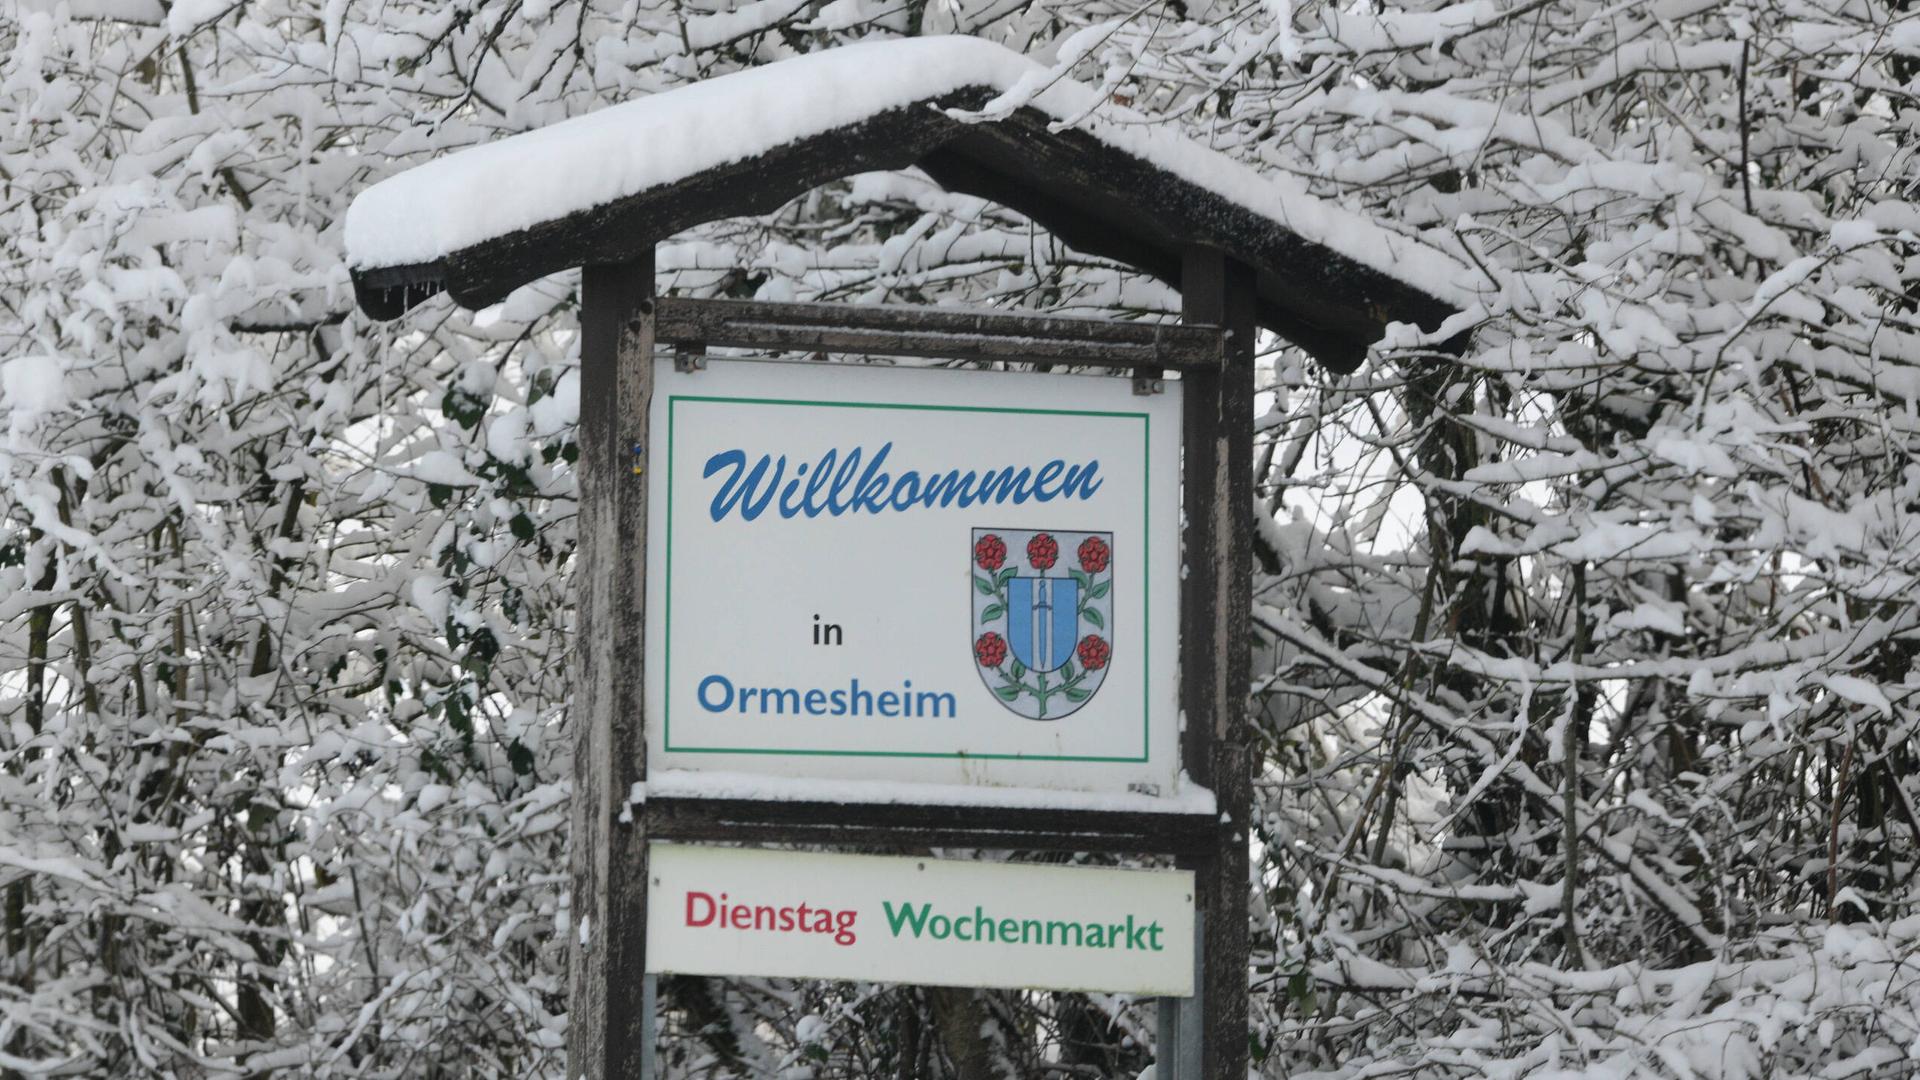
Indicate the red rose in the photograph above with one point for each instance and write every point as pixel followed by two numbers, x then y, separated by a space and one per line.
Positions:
pixel 1094 652
pixel 1094 554
pixel 989 552
pixel 1042 550
pixel 991 650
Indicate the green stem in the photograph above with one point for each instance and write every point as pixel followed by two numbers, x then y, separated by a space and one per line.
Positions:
pixel 1038 688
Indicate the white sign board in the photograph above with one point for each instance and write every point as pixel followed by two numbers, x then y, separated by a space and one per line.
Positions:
pixel 912 574
pixel 738 911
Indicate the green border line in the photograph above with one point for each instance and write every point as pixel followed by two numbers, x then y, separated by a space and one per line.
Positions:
pixel 1146 620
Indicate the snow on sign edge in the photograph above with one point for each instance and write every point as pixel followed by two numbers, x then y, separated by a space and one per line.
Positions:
pixel 492 190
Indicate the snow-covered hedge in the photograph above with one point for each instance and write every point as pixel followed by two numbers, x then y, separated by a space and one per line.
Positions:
pixel 1585 686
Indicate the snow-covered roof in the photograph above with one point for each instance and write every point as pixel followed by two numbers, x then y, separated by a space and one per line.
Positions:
pixel 602 187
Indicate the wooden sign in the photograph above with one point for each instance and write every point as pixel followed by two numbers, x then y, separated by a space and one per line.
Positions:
pixel 693 500
pixel 741 671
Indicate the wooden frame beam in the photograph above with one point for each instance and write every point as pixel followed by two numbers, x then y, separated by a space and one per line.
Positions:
pixel 831 824
pixel 1216 626
pixel 608 1013
pixel 948 333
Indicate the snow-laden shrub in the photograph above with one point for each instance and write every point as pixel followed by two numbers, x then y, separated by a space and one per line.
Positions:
pixel 1585 679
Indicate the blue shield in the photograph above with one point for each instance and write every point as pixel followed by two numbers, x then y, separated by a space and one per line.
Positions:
pixel 1043 620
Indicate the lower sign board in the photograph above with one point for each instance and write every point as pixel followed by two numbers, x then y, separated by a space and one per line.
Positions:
pixel 936 922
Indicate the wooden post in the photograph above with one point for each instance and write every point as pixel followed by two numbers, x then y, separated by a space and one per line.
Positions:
pixel 607 1017
pixel 1216 624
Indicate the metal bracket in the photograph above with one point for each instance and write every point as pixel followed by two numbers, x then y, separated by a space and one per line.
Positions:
pixel 649 1026
pixel 687 361
pixel 1146 384
pixel 1181 1021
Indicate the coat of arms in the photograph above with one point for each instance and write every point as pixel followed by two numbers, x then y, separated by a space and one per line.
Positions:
pixel 1042 617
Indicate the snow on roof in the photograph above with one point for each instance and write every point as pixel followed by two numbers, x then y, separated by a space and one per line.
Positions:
pixel 492 191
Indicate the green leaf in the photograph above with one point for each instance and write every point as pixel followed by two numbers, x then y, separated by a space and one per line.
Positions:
pixel 992 612
pixel 982 584
pixel 1100 590
pixel 1075 694
pixel 1007 693
pixel 1000 579
pixel 520 758
pixel 1019 669
pixel 483 646
pixel 1080 577
pixel 1301 989
pixel 1093 617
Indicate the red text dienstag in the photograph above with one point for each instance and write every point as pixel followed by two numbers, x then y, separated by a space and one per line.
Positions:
pixel 704 910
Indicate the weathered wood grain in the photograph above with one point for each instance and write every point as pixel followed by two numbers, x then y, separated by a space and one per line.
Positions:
pixel 1216 628
pixel 609 898
pixel 830 824
pixel 950 333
